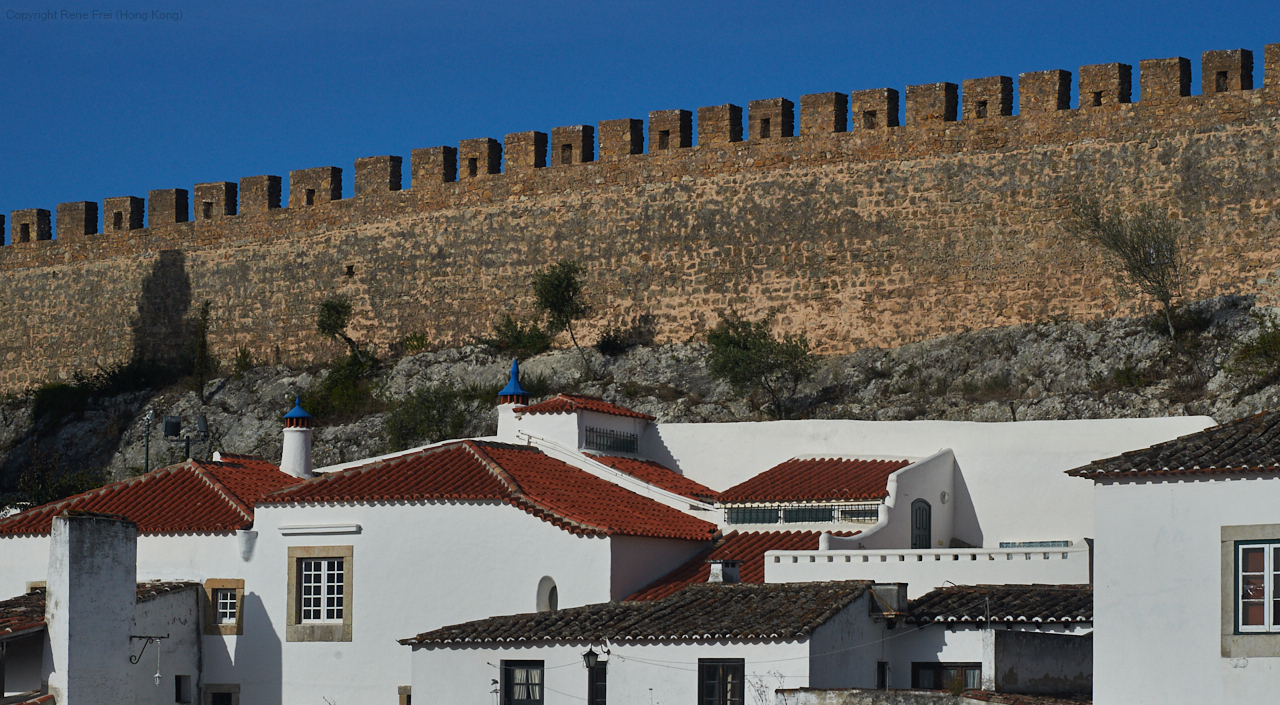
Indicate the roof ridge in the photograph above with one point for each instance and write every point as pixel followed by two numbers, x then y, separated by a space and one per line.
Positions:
pixel 495 469
pixel 528 501
pixel 225 492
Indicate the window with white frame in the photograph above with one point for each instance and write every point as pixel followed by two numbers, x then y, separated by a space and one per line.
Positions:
pixel 322 593
pixel 224 601
pixel 1257 586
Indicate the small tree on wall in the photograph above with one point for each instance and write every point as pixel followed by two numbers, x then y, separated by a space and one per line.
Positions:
pixel 560 297
pixel 332 316
pixel 1147 249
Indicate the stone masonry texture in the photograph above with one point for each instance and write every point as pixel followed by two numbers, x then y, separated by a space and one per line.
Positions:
pixel 870 237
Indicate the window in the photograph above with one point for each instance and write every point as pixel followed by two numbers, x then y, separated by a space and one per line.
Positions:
pixel 117 220
pixel 751 515
pixel 1097 98
pixel 322 580
pixel 596 681
pixel 882 675
pixel 224 606
pixel 310 197
pixel 473 166
pixel 319 604
pixel 208 210
pixel 869 120
pixel 566 154
pixel 548 599
pixel 664 139
pixel 764 128
pixel 940 676
pixel 224 602
pixel 24 232
pixel 980 109
pixel 521 683
pixel 1220 82
pixel 182 689
pixel 1257 597
pixel 720 681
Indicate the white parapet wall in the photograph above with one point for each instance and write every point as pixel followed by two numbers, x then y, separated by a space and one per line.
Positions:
pixel 923 570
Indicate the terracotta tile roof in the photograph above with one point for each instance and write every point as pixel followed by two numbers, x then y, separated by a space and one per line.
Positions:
pixel 35 697
pixel 26 612
pixel 1251 444
pixel 659 475
pixel 569 403
pixel 521 476
pixel 22 614
pixel 779 611
pixel 817 479
pixel 1005 603
pixel 746 547
pixel 194 497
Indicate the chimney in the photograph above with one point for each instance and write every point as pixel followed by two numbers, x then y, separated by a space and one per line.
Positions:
pixel 888 599
pixel 295 459
pixel 89 605
pixel 510 398
pixel 724 570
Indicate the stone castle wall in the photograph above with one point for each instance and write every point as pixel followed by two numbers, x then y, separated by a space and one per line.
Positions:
pixel 857 231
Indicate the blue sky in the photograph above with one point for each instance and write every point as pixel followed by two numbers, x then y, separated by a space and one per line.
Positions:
pixel 95 108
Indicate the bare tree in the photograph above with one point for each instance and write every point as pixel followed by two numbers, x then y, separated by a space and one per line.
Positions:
pixel 1147 249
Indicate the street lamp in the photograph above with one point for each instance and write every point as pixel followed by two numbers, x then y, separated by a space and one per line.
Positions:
pixel 591 658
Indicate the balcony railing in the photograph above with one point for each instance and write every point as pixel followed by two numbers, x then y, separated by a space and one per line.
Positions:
pixel 611 441
pixel 861 513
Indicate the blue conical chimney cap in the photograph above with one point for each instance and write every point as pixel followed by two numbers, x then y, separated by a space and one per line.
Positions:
pixel 513 387
pixel 297 412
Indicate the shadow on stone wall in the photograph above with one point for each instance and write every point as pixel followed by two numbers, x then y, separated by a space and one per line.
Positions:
pixel 161 330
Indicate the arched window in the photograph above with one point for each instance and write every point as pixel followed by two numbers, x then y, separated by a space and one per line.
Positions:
pixel 548 595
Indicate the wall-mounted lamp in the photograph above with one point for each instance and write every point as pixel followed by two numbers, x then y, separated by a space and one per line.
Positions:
pixel 591 658
pixel 145 641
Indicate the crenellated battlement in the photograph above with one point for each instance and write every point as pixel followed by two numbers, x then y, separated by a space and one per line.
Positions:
pixel 866 123
pixel 844 217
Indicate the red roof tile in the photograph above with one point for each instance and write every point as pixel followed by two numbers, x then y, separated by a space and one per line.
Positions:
pixel 195 497
pixel 569 403
pixel 659 475
pixel 747 547
pixel 522 476
pixel 817 479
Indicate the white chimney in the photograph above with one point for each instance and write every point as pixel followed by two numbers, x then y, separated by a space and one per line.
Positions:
pixel 89 605
pixel 295 459
pixel 724 570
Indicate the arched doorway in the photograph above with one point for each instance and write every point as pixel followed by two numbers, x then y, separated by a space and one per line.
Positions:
pixel 921 524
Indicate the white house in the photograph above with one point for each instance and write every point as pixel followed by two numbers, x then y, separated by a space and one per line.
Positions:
pixel 710 642
pixel 1187 568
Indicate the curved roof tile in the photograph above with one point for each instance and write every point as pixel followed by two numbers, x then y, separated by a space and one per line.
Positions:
pixel 817 479
pixel 1251 444
pixel 569 403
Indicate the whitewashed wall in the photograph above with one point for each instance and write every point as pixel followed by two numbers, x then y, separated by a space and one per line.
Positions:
pixel 177 615
pixel 416 568
pixel 923 571
pixel 638 674
pixel 637 561
pixel 25 560
pixel 1157 601
pixel 842 649
pixel 1012 473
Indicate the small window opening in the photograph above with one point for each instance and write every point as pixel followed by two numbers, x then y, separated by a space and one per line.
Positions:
pixel 182 689
pixel 1221 82
pixel 311 197
pixel 24 232
pixel 764 128
pixel 1097 98
pixel 664 139
pixel 869 120
pixel 220 699
pixel 548 599
pixel 980 110
pixel 566 154
pixel 117 220
pixel 351 270
pixel 208 210
pixel 473 167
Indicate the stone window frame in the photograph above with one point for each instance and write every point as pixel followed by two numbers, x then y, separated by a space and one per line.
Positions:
pixel 208 689
pixel 1234 643
pixel 211 624
pixel 295 629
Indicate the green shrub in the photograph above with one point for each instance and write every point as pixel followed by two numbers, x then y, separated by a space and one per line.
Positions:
pixel 510 337
pixel 243 362
pixel 345 394
pixel 1126 376
pixel 54 402
pixel 612 342
pixel 1260 357
pixel 997 387
pixel 415 343
pixel 747 356
pixel 428 415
